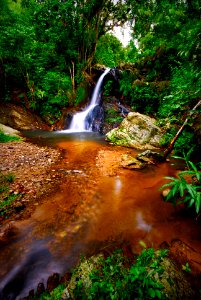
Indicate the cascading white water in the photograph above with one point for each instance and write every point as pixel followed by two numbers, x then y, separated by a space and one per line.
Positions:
pixel 79 122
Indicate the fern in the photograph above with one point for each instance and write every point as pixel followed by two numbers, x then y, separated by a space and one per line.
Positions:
pixel 182 192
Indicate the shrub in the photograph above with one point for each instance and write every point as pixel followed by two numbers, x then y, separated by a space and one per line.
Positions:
pixel 115 278
pixel 183 192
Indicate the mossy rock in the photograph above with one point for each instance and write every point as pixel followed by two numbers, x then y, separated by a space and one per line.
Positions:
pixel 136 131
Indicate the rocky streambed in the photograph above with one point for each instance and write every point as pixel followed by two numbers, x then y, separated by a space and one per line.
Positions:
pixel 34 176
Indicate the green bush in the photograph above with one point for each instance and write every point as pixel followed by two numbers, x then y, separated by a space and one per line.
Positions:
pixel 115 278
pixel 143 96
pixel 185 89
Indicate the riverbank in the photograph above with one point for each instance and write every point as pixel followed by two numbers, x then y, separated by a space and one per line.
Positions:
pixel 31 169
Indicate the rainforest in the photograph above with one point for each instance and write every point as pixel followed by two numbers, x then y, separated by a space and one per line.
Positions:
pixel 100 171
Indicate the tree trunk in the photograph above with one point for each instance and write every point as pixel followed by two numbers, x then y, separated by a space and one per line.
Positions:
pixel 170 147
pixel 72 75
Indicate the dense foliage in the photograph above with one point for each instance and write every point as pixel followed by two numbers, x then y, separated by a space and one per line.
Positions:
pixel 186 189
pixel 46 47
pixel 165 77
pixel 116 278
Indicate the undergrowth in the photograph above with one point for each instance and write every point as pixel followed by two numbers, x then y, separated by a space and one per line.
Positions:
pixel 186 189
pixel 8 138
pixel 6 198
pixel 116 277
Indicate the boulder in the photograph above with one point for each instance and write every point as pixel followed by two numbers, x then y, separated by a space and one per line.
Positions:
pixel 136 131
pixel 130 162
pixel 20 118
pixel 150 157
pixel 9 131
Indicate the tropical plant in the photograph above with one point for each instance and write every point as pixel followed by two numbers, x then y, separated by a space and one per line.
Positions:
pixel 185 191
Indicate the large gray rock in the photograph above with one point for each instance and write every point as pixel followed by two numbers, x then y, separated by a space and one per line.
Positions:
pixel 9 131
pixel 137 131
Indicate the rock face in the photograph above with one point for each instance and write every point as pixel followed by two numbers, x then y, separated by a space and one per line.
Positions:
pixel 8 130
pixel 137 131
pixel 20 118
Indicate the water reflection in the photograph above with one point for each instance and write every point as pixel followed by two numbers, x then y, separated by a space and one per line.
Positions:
pixel 107 204
pixel 141 224
pixel 118 185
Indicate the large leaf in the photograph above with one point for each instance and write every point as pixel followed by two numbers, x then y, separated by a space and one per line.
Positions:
pixel 198 203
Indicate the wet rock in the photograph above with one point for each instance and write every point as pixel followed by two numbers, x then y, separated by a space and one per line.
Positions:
pixel 40 288
pixel 130 162
pixel 10 131
pixel 52 282
pixel 7 232
pixel 183 253
pixel 20 118
pixel 165 193
pixel 31 293
pixel 176 285
pixel 137 131
pixel 150 157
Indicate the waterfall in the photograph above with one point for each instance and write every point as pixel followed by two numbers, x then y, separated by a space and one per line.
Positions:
pixel 84 121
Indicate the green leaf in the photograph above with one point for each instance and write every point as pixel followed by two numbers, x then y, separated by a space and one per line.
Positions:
pixel 193 166
pixel 171 178
pixel 191 202
pixel 166 185
pixel 152 293
pixel 181 189
pixel 191 190
pixel 198 203
pixel 158 294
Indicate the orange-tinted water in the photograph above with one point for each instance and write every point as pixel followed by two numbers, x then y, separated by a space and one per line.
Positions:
pixel 99 204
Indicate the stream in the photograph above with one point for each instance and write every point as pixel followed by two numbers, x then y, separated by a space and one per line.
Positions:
pixel 98 205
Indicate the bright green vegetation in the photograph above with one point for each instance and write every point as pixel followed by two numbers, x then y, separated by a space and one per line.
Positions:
pixel 6 198
pixel 186 189
pixel 48 48
pixel 164 79
pixel 56 294
pixel 8 138
pixel 109 51
pixel 112 116
pixel 114 280
pixel 116 277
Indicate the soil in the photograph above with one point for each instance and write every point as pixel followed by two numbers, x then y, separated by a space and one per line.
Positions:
pixel 35 176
